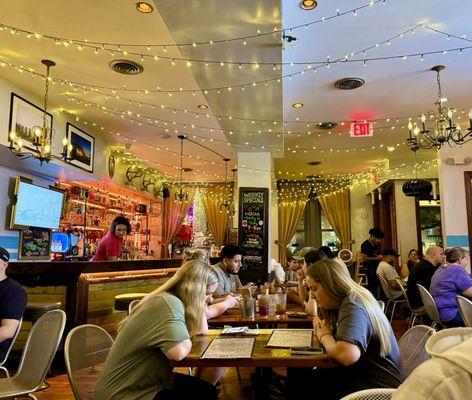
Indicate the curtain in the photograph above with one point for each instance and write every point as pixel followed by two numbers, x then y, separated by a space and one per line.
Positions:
pixel 337 210
pixel 217 215
pixel 173 214
pixel 292 202
pixel 312 223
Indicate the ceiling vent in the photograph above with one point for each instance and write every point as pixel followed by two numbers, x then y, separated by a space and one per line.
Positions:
pixel 165 136
pixel 327 125
pixel 187 169
pixel 313 176
pixel 126 67
pixel 314 163
pixel 349 83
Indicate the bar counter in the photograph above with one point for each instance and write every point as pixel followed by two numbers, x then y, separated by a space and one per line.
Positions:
pixel 87 289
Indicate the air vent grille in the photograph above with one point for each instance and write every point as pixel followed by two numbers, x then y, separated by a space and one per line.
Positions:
pixel 327 125
pixel 126 67
pixel 349 83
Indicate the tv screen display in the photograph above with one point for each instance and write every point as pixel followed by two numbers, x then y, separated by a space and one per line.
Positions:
pixel 59 242
pixel 36 206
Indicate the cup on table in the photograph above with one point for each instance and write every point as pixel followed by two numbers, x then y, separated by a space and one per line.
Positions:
pixel 248 308
pixel 263 303
pixel 280 303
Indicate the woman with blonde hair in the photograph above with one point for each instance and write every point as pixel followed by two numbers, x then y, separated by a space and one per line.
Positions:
pixel 190 254
pixel 450 280
pixel 157 332
pixel 353 331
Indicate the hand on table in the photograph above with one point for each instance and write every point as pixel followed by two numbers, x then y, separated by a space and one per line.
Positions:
pixel 232 301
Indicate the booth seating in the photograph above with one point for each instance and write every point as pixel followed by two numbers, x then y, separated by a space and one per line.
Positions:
pixel 122 300
pixel 34 310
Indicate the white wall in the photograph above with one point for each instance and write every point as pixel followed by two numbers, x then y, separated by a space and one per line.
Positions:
pixel 361 215
pixel 405 210
pixel 452 190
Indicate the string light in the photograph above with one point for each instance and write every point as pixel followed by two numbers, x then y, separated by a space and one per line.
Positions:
pixel 164 46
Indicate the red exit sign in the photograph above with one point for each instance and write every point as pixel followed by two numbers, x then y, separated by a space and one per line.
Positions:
pixel 361 129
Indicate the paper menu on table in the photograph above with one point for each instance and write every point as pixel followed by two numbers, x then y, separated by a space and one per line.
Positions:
pixel 229 348
pixel 286 338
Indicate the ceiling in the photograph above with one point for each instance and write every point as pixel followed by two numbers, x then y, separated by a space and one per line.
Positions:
pixel 249 119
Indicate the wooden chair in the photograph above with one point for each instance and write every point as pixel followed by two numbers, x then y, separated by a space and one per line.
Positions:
pixel 359 278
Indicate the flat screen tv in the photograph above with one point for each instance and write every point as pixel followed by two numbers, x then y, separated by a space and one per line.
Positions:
pixel 36 206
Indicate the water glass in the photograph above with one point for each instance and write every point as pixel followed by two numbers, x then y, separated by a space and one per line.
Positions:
pixel 281 303
pixel 248 308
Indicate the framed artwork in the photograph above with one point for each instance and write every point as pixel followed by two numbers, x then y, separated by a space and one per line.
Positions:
pixel 83 148
pixel 23 117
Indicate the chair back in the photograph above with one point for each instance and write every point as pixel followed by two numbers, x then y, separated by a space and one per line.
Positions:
pixel 385 287
pixel 402 288
pixel 132 305
pixel 371 394
pixel 411 345
pixel 85 352
pixel 2 367
pixel 381 305
pixel 40 348
pixel 465 308
pixel 429 304
pixel 358 267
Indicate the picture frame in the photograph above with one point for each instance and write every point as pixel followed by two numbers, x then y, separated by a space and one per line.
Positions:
pixel 83 148
pixel 23 116
pixel 35 244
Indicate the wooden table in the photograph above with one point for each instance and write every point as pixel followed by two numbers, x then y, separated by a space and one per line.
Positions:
pixel 261 356
pixel 234 317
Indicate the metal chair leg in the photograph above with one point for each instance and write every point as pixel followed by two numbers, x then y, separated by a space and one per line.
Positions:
pixel 393 311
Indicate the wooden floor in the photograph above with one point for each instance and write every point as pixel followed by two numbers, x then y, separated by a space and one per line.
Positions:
pixel 232 387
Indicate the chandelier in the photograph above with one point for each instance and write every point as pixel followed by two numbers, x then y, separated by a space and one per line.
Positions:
pixel 41 135
pixel 228 202
pixel 181 194
pixel 444 130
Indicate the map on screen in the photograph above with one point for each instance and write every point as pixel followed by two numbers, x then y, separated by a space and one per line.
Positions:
pixel 37 206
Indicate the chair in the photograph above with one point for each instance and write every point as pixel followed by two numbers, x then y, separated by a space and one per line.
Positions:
pixel 465 308
pixel 430 306
pixel 415 312
pixel 382 305
pixel 359 278
pixel 9 349
pixel 40 348
pixel 85 351
pixel 390 297
pixel 122 300
pixel 132 305
pixel 412 347
pixel 371 394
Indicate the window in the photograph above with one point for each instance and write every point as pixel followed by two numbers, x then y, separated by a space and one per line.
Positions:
pixel 328 236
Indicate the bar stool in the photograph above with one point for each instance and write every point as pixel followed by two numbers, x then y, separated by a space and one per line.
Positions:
pixel 34 310
pixel 122 300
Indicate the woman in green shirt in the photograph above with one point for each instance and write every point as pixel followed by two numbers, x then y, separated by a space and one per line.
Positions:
pixel 158 331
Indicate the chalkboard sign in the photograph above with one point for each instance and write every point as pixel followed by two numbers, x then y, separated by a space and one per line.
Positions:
pixel 253 233
pixel 35 244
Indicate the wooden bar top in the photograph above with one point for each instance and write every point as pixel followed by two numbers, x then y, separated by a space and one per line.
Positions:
pixel 261 356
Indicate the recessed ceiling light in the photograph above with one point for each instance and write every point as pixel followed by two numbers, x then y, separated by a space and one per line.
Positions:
pixel 144 8
pixel 297 105
pixel 308 4
pixel 202 106
pixel 391 148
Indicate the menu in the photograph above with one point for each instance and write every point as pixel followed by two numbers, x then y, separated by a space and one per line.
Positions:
pixel 253 233
pixel 35 244
pixel 229 348
pixel 286 338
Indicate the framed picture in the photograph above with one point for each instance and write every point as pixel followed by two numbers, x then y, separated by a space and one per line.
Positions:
pixel 23 117
pixel 35 244
pixel 83 148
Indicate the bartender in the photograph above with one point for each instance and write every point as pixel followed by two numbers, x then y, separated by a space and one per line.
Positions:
pixel 111 245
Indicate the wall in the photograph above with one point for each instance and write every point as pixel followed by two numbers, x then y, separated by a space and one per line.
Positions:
pixel 452 190
pixel 405 210
pixel 361 215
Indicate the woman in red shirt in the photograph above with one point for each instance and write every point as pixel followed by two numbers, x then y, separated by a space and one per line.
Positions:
pixel 111 245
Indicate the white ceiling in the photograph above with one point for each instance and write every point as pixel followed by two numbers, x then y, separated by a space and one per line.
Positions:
pixel 394 88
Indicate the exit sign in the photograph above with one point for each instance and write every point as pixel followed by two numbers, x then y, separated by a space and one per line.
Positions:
pixel 361 129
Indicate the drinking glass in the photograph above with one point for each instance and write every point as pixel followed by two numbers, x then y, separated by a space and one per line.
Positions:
pixel 248 308
pixel 263 303
pixel 281 303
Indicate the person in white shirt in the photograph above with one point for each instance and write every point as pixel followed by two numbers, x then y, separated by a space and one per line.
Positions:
pixel 275 272
pixel 388 271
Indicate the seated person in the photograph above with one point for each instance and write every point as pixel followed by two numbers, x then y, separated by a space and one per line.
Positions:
pixel 449 281
pixel 354 331
pixel 388 271
pixel 291 269
pixel 159 330
pixel 331 256
pixel 413 259
pixel 12 305
pixel 421 274
pixel 227 270
pixel 213 308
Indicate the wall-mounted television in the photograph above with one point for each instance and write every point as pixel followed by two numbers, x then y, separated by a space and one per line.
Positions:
pixel 36 206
